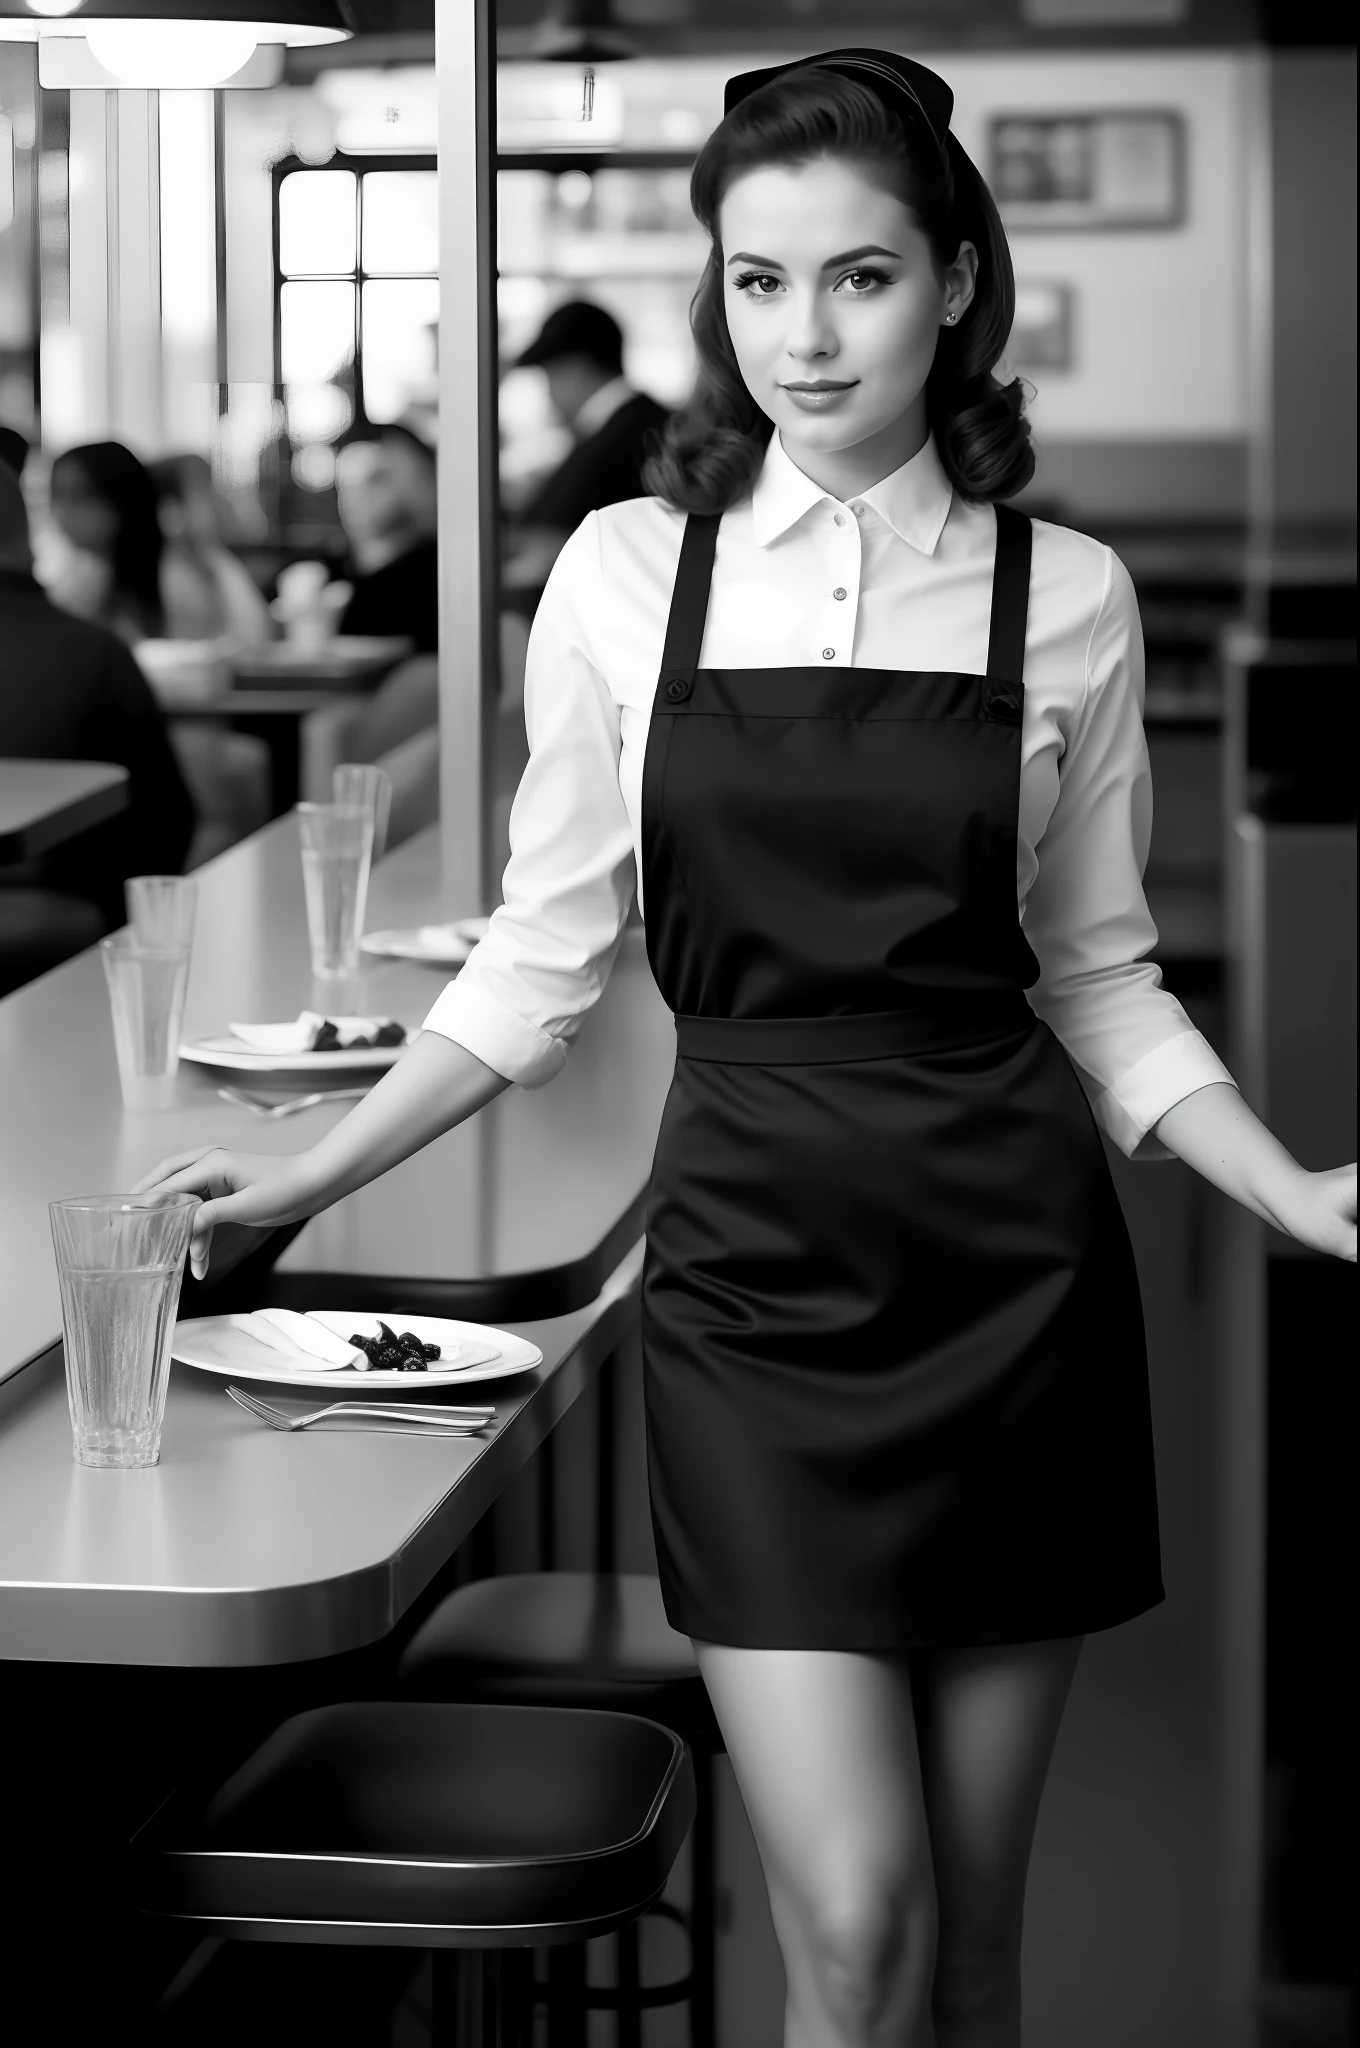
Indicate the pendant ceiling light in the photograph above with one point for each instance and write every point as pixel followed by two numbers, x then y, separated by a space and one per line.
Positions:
pixel 580 32
pixel 166 43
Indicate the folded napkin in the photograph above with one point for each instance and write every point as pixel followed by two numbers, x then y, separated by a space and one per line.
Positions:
pixel 300 1340
pixel 301 1036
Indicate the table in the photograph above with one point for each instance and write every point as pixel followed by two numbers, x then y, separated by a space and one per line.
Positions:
pixel 530 1188
pixel 273 715
pixel 43 803
pixel 245 1547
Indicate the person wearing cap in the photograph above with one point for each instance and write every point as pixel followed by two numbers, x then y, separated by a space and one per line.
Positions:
pixel 580 351
pixel 867 740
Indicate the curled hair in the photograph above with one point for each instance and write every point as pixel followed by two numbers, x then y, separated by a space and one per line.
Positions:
pixel 714 444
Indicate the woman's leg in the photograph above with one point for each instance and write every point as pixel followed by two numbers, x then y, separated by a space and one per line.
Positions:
pixel 986 1723
pixel 823 1744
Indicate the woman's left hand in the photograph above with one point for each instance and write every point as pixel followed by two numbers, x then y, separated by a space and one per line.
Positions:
pixel 1319 1210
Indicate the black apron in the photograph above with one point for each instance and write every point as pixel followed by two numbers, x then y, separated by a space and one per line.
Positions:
pixel 896 1385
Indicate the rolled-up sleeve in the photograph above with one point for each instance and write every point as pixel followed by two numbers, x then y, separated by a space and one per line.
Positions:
pixel 1086 917
pixel 527 986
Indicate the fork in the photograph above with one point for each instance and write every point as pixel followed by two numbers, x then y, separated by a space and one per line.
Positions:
pixel 452 1421
pixel 292 1103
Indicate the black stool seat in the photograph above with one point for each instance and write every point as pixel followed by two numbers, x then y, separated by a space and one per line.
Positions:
pixel 584 1639
pixel 413 1824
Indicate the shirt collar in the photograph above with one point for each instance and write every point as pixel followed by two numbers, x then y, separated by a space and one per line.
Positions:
pixel 914 501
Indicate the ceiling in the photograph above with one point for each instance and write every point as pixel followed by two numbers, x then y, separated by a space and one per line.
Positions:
pixel 695 27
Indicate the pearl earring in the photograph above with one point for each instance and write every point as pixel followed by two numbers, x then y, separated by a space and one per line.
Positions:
pixel 950 318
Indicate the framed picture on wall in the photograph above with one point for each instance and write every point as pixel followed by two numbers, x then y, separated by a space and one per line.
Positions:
pixel 1121 169
pixel 1041 333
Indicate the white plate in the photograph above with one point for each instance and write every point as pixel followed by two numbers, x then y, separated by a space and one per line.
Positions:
pixel 220 1344
pixel 226 1050
pixel 434 945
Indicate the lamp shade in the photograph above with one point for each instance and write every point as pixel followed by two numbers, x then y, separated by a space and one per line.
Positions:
pixel 299 22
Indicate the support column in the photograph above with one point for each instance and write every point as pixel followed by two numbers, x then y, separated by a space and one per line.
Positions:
pixel 468 495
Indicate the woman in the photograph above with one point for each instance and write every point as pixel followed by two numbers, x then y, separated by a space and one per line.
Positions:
pixel 847 732
pixel 103 504
pixel 208 592
pixel 118 569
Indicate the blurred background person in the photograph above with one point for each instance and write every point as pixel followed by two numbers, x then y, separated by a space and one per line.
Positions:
pixel 70 690
pixel 207 592
pixel 385 484
pixel 580 351
pixel 106 565
pixel 113 567
pixel 13 449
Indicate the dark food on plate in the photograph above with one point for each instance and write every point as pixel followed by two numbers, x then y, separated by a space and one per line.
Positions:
pixel 388 1352
pixel 327 1038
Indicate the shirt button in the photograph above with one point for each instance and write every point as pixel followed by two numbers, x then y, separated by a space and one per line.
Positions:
pixel 828 654
pixel 838 592
pixel 858 510
pixel 839 518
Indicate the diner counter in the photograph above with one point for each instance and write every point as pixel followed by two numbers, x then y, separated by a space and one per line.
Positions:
pixel 245 1546
pixel 540 1183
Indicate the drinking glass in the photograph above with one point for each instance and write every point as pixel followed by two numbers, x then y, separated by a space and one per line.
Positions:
pixel 160 908
pixel 337 844
pixel 147 985
pixel 371 789
pixel 120 1260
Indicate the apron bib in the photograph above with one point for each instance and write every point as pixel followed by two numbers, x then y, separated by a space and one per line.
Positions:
pixel 896 1385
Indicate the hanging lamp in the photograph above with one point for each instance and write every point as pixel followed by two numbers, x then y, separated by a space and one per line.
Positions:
pixel 581 32
pixel 167 43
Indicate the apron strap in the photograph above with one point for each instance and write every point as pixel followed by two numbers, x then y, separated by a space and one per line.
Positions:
pixel 1010 596
pixel 689 600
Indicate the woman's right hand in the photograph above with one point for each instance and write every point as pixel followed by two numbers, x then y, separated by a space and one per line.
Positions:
pixel 235 1187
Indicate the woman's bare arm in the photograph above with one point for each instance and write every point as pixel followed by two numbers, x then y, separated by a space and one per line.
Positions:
pixel 436 1085
pixel 1214 1131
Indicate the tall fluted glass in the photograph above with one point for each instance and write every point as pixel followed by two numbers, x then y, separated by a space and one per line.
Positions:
pixel 120 1261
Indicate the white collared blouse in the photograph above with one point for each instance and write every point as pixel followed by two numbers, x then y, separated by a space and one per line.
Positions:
pixel 899 577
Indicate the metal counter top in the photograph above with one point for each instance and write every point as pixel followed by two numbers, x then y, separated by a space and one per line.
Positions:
pixel 245 1546
pixel 537 1182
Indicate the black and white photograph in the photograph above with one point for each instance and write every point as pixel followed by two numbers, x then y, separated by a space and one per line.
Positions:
pixel 678 1024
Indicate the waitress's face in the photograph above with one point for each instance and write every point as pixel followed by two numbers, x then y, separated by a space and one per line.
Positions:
pixel 83 516
pixel 834 301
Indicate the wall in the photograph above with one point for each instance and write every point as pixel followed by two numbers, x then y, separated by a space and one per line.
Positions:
pixel 1310 476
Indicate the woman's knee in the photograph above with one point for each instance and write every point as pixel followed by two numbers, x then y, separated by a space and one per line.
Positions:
pixel 864 1942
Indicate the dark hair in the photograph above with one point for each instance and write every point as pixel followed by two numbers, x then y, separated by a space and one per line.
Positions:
pixel 385 430
pixel 714 443
pixel 114 474
pixel 13 449
pixel 15 552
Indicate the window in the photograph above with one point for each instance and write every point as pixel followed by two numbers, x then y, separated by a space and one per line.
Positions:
pixel 357 294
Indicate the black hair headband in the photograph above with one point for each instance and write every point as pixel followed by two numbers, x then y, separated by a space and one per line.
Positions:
pixel 909 88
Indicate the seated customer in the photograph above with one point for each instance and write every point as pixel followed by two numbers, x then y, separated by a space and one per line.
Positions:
pixel 206 591
pixel 71 691
pixel 385 486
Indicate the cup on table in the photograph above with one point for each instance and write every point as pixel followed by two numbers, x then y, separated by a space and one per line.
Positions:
pixel 147 984
pixel 371 789
pixel 337 846
pixel 160 908
pixel 120 1261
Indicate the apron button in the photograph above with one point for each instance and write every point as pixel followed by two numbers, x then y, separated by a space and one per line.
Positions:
pixel 678 688
pixel 1004 705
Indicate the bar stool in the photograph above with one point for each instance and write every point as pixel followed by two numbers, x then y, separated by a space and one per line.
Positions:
pixel 476 1832
pixel 598 1640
